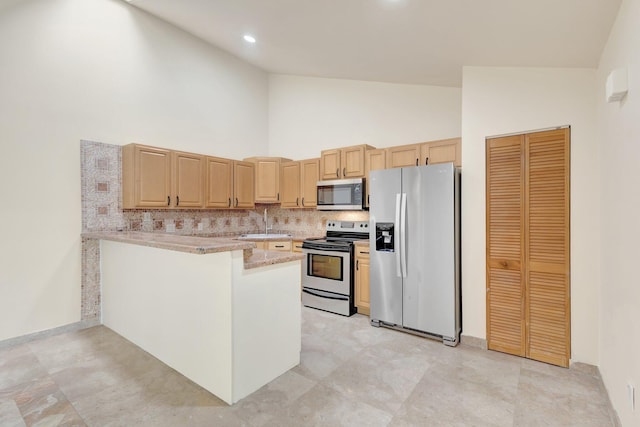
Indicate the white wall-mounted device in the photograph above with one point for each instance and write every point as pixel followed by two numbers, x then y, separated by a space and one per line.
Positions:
pixel 617 85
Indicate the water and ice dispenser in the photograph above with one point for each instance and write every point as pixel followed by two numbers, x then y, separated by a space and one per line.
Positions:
pixel 384 237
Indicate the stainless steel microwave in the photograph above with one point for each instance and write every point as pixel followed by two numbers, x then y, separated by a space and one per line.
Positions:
pixel 341 195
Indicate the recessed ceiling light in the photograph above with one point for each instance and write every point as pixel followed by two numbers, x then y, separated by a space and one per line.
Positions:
pixel 249 38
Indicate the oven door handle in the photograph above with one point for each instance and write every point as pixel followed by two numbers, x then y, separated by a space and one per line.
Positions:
pixel 343 298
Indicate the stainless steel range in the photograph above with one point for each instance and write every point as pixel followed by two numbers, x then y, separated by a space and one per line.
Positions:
pixel 327 271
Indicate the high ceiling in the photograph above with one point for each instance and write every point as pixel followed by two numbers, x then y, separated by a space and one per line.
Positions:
pixel 403 41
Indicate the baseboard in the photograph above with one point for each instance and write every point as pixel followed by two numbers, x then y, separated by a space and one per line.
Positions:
pixel 474 342
pixel 585 368
pixel 83 324
pixel 615 420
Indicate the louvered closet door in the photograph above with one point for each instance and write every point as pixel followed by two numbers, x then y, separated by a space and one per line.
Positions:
pixel 505 245
pixel 547 246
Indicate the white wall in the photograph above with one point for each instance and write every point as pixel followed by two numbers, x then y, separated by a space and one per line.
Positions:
pixel 619 145
pixel 309 114
pixel 105 71
pixel 505 100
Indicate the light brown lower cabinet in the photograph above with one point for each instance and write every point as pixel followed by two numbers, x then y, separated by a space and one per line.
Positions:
pixel 528 245
pixel 362 299
pixel 296 246
pixel 272 245
pixel 284 246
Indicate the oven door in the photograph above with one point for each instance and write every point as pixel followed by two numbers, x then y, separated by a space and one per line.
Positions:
pixel 328 271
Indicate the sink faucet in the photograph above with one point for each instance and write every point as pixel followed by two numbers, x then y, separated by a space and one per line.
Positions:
pixel 266 226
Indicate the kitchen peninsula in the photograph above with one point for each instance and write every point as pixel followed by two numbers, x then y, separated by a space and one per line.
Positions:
pixel 219 311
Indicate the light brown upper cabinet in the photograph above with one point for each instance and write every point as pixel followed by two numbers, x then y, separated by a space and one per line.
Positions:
pixel 342 163
pixel 298 183
pixel 267 180
pixel 219 183
pixel 528 245
pixel 188 184
pixel 403 155
pixel 229 184
pixel 158 178
pixel 374 160
pixel 309 177
pixel 441 151
pixel 243 184
pixel 290 185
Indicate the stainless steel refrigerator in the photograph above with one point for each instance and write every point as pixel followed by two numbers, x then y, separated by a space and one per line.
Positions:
pixel 415 250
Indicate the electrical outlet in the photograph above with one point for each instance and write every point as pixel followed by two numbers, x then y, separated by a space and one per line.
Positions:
pixel 631 391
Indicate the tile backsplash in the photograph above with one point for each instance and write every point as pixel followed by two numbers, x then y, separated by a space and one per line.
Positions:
pixel 101 174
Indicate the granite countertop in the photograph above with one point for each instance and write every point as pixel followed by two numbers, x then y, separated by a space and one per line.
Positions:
pixel 272 236
pixel 260 258
pixel 253 258
pixel 191 244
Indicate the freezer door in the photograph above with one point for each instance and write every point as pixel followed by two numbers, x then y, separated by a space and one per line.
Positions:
pixel 430 284
pixel 385 280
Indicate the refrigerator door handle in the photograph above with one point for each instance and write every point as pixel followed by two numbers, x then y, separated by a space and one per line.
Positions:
pixel 396 236
pixel 403 235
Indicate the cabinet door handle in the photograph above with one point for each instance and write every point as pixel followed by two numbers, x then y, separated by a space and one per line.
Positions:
pixel 417 161
pixel 344 172
pixel 229 201
pixel 177 200
pixel 168 200
pixel 236 202
pixel 368 200
pixel 364 252
pixel 278 196
pixel 303 201
pixel 297 201
pixel 338 172
pixel 357 264
pixel 426 162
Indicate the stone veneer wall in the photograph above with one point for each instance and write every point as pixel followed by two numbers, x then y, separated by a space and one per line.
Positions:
pixel 101 172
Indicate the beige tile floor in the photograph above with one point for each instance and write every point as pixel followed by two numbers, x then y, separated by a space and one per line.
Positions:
pixel 351 374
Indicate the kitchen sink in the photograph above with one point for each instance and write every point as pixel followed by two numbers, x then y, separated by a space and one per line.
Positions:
pixel 264 236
